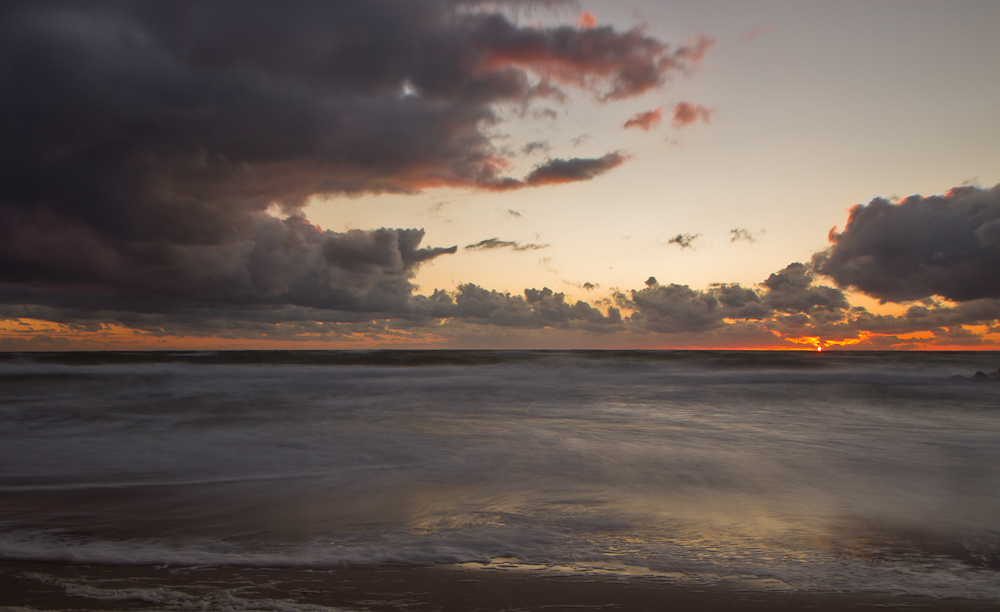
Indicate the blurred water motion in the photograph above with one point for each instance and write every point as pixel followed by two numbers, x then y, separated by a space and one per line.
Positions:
pixel 833 471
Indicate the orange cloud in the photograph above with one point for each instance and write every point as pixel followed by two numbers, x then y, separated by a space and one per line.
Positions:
pixel 586 20
pixel 645 120
pixel 686 113
pixel 610 64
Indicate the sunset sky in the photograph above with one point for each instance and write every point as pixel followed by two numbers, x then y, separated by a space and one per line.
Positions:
pixel 458 174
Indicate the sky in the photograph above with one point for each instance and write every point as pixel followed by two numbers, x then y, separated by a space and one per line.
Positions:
pixel 458 174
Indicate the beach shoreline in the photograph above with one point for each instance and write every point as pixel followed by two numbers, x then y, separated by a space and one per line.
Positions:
pixel 28 585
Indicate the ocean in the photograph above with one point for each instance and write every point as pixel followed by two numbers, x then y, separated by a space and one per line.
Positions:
pixel 846 473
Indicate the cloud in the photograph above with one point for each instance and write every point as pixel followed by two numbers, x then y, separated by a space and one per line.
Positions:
pixel 144 143
pixel 281 92
pixel 610 64
pixel 791 290
pixel 788 309
pixel 686 113
pixel 436 208
pixel 496 243
pixel 740 233
pixel 588 286
pixel 275 262
pixel 546 113
pixel 535 145
pixel 740 302
pixel 646 120
pixel 684 240
pixel 556 171
pixel 944 245
pixel 586 20
pixel 539 308
pixel 679 309
pixel 672 309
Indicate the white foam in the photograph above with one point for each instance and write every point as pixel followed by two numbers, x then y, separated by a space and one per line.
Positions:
pixel 174 598
pixel 713 564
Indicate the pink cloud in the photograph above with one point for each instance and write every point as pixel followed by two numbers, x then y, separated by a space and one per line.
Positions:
pixel 755 31
pixel 586 20
pixel 686 113
pixel 646 120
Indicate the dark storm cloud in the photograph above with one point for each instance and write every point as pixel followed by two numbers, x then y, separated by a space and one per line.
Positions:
pixel 276 262
pixel 142 142
pixel 946 245
pixel 496 243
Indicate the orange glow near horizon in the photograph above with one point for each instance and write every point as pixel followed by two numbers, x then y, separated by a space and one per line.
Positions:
pixel 813 340
pixel 25 335
pixel 862 337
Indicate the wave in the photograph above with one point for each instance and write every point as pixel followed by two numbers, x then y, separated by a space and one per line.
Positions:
pixel 705 563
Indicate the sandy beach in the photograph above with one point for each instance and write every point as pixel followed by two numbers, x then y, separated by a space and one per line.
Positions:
pixel 50 586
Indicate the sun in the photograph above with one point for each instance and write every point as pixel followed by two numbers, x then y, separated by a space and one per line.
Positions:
pixel 819 349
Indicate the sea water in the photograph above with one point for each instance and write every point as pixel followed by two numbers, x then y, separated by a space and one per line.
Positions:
pixel 832 472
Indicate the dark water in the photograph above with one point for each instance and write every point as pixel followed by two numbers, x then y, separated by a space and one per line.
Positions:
pixel 850 472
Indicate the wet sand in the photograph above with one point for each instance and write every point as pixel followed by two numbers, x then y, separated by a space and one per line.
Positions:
pixel 55 586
